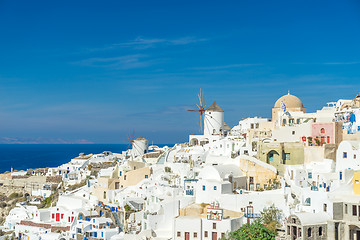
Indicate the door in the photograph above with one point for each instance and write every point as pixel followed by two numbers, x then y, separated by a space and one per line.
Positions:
pixel 357 235
pixel 336 231
pixel 187 236
pixel 271 157
pixel 294 232
pixel 58 217
pixel 214 236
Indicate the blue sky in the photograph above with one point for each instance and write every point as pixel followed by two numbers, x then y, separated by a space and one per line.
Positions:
pixel 94 70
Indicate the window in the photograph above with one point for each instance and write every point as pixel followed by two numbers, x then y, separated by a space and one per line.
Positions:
pixel 299 232
pixel 287 156
pixel 257 186
pixel 178 234
pixel 293 132
pixel 120 173
pixel 322 130
pixel 344 154
pixel 328 139
pixel 320 231
pixel 340 175
pixel 117 185
pixel 298 121
pixel 284 121
pixel 104 194
pixel 325 207
pixel 206 234
pixel 214 225
pixel 309 232
pixel 195 234
pixel 124 177
pixel 346 209
pixel 222 235
pixel 251 179
pixel 354 212
pixel 257 125
pixel 203 187
pixel 252 126
pixel 288 230
pixel 309 174
pixel 214 187
pixel 146 176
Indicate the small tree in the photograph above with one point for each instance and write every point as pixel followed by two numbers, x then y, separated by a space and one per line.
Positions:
pixel 310 140
pixel 270 218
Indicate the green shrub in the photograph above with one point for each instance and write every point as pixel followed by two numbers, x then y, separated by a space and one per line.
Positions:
pixel 253 231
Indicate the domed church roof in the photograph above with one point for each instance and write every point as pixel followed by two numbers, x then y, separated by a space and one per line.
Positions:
pixel 290 101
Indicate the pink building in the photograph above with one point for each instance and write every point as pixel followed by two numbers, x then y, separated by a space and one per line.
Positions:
pixel 328 133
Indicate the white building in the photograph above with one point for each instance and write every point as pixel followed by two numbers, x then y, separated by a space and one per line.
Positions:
pixel 217 180
pixel 247 124
pixel 348 155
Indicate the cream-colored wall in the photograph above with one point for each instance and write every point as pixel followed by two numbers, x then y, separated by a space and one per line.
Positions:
pixel 261 174
pixel 351 137
pixel 196 210
pixel 101 187
pixel 132 178
pixel 285 133
pixel 313 154
pixel 276 110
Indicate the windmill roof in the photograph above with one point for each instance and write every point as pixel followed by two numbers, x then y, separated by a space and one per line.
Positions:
pixel 140 138
pixel 214 108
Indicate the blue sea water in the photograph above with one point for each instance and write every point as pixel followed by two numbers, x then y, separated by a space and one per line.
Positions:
pixel 24 156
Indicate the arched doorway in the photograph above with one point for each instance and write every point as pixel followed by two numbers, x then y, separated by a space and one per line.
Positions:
pixel 271 156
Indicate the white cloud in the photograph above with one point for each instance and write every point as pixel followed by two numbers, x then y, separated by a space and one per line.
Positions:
pixel 121 62
pixel 143 43
pixel 225 66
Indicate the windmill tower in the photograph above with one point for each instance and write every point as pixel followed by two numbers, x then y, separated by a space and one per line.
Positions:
pixel 201 109
pixel 214 121
pixel 139 146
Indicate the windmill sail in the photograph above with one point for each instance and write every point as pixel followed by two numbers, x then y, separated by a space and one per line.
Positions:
pixel 201 108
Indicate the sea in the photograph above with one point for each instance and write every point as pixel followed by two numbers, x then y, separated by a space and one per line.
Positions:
pixel 25 156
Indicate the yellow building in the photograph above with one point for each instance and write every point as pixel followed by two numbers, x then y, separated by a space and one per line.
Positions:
pixel 356 183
